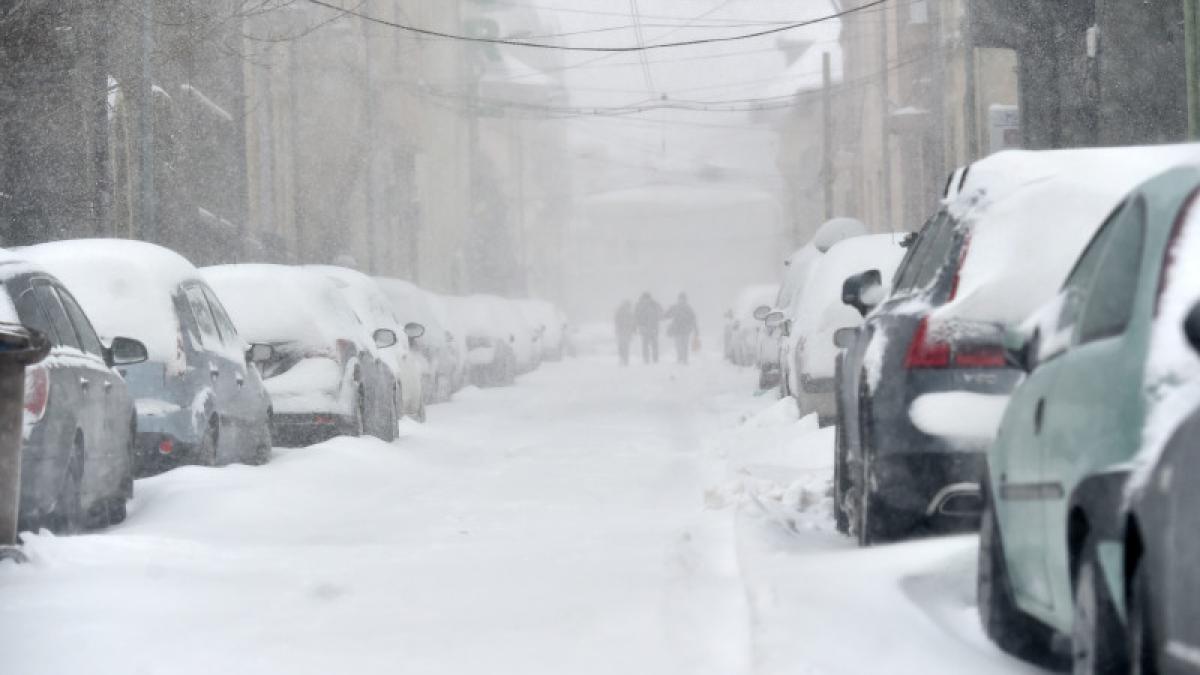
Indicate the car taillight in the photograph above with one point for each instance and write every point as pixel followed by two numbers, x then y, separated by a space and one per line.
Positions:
pixel 925 351
pixel 166 446
pixel 981 357
pixel 37 392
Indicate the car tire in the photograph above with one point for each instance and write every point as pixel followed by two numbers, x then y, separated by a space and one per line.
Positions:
pixel 210 442
pixel 68 516
pixel 115 511
pixel 840 482
pixel 1143 646
pixel 1097 642
pixel 1004 623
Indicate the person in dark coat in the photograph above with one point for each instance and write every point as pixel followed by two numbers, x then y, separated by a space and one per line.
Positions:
pixel 648 315
pixel 682 327
pixel 626 326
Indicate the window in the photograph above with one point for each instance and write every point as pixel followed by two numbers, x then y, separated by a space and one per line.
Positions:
pixel 1079 281
pixel 911 267
pixel 203 316
pixel 228 332
pixel 83 327
pixel 63 334
pixel 31 315
pixel 1109 304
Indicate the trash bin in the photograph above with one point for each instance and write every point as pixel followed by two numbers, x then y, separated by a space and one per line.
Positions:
pixel 19 347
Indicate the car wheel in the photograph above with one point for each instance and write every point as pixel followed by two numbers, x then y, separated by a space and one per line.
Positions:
pixel 115 510
pixel 68 516
pixel 1096 641
pixel 1011 629
pixel 840 487
pixel 209 442
pixel 1143 647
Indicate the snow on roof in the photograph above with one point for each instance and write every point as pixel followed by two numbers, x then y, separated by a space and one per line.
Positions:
pixel 124 286
pixel 836 230
pixel 278 303
pixel 1031 213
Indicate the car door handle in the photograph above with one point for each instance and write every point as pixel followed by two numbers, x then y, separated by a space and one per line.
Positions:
pixel 241 381
pixel 1039 414
pixel 85 383
pixel 108 386
pixel 214 373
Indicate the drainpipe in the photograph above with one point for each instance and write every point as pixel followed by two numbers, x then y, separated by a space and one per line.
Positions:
pixel 1191 28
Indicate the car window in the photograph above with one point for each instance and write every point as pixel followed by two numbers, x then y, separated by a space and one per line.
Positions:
pixel 1079 281
pixel 907 261
pixel 224 324
pixel 937 254
pixel 31 315
pixel 83 327
pixel 908 278
pixel 1109 304
pixel 203 316
pixel 63 334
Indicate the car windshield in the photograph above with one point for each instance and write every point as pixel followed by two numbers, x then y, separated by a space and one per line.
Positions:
pixel 676 337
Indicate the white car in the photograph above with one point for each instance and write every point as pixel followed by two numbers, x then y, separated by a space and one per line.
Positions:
pixel 374 309
pixel 746 333
pixel 489 337
pixel 545 317
pixel 821 313
pixel 435 346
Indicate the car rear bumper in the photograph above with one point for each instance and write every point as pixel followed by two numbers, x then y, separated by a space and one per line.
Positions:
pixel 932 488
pixel 302 429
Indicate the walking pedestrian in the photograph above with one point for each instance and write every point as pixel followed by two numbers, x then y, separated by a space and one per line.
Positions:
pixel 626 326
pixel 648 315
pixel 682 328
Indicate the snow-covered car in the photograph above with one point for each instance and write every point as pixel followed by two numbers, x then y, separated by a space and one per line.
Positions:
pixel 527 334
pixel 372 306
pixel 323 379
pixel 435 346
pixel 1108 371
pixel 821 313
pixel 929 366
pixel 198 397
pixel 456 343
pixel 797 271
pixel 746 333
pixel 549 321
pixel 77 461
pixel 489 338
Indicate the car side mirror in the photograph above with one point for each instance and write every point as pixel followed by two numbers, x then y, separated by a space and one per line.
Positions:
pixel 761 312
pixel 24 345
pixel 1191 327
pixel 778 319
pixel 384 338
pixel 414 330
pixel 908 240
pixel 125 352
pixel 863 291
pixel 260 353
pixel 844 337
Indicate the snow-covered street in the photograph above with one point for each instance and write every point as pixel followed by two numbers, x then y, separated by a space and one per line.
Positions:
pixel 591 519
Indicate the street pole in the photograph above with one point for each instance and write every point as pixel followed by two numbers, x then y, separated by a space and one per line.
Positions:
pixel 1191 32
pixel 885 124
pixel 827 114
pixel 148 194
pixel 371 150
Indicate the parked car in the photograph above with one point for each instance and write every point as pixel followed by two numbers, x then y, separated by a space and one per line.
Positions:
pixel 912 458
pixel 455 337
pixel 77 463
pixel 744 332
pixel 1051 544
pixel 1159 574
pixel 527 335
pixel 374 309
pixel 820 313
pixel 791 291
pixel 490 339
pixel 324 379
pixel 435 346
pixel 199 399
pixel 551 323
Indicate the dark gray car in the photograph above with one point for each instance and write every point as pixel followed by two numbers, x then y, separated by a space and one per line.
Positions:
pixel 77 463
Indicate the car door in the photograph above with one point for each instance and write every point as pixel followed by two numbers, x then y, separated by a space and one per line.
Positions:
pixel 116 408
pixel 71 373
pixel 222 372
pixel 1017 460
pixel 246 402
pixel 1093 417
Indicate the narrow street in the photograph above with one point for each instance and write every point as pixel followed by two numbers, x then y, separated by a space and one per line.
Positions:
pixel 590 520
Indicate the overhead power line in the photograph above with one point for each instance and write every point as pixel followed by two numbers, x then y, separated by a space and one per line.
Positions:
pixel 597 48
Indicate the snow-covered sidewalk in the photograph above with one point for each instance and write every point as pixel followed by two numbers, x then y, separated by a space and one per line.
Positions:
pixel 592 519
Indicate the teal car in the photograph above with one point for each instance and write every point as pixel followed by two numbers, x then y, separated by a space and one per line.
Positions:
pixel 1051 557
